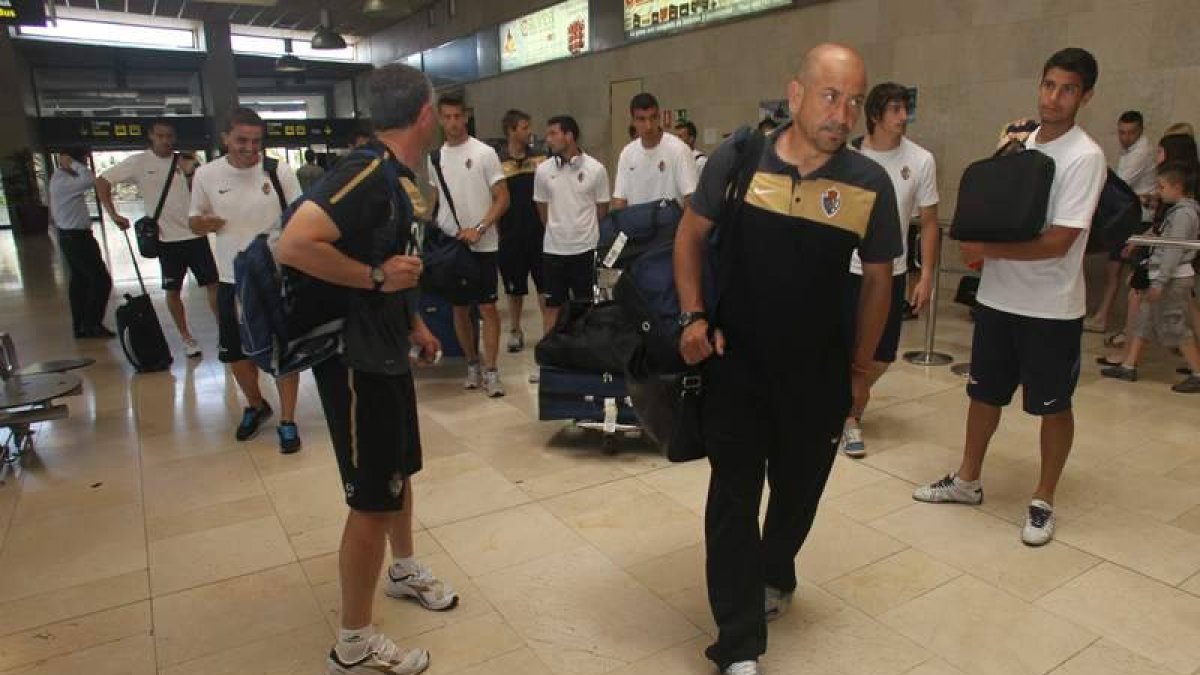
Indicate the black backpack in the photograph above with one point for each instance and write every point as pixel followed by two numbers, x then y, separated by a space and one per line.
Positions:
pixel 1003 198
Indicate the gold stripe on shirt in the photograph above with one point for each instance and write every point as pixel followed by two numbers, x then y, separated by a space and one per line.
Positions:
pixel 825 201
pixel 354 182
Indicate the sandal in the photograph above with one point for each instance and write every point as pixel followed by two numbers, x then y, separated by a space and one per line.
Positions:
pixel 1115 340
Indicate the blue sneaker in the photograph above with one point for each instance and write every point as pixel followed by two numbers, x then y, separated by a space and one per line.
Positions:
pixel 252 419
pixel 289 438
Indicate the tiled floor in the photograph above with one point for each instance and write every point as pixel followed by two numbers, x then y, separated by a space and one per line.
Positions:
pixel 142 539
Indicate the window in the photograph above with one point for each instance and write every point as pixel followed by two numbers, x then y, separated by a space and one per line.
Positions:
pixel 113 34
pixel 273 46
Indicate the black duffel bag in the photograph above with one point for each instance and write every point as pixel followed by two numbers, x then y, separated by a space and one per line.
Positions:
pixel 668 407
pixel 1004 198
pixel 591 338
pixel 449 267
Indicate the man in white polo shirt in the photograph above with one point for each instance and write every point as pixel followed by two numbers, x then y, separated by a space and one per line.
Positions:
pixel 1032 300
pixel 236 197
pixel 655 165
pixel 179 248
pixel 571 193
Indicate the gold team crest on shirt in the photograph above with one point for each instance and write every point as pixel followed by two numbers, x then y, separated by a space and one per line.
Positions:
pixel 662 166
pixel 469 164
pixel 266 188
pixel 905 173
pixel 831 202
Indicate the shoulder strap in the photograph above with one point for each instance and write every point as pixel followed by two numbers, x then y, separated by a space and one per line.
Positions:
pixel 270 165
pixel 857 143
pixel 749 144
pixel 436 158
pixel 162 199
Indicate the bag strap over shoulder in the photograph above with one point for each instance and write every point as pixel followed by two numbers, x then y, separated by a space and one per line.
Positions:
pixel 436 158
pixel 162 199
pixel 271 166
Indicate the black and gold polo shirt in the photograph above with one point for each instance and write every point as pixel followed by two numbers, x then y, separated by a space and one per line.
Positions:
pixel 521 217
pixel 789 252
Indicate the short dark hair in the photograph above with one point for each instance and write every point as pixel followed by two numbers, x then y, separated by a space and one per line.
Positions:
pixel 396 93
pixel 881 96
pixel 160 122
pixel 1078 61
pixel 1132 117
pixel 687 124
pixel 452 100
pixel 244 117
pixel 1179 148
pixel 1179 173
pixel 512 118
pixel 643 101
pixel 310 156
pixel 78 153
pixel 566 123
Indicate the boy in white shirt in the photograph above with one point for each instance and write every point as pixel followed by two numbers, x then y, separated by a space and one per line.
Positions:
pixel 235 198
pixel 571 193
pixel 655 165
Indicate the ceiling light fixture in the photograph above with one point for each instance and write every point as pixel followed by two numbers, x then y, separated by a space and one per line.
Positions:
pixel 394 9
pixel 289 63
pixel 326 37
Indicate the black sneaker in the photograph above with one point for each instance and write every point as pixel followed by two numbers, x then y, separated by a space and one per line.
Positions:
pixel 1120 373
pixel 289 438
pixel 252 419
pixel 1183 370
pixel 1189 386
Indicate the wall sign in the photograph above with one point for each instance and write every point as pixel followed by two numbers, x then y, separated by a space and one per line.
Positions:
pixel 557 32
pixel 23 12
pixel 650 17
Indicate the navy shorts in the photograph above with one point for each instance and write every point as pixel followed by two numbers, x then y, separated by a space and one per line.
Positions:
pixel 1040 355
pixel 889 342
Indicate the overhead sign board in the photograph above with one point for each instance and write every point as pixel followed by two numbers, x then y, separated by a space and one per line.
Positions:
pixel 651 17
pixel 23 12
pixel 557 32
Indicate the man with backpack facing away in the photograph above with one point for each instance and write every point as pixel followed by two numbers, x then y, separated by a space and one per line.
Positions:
pixel 160 176
pixel 352 231
pixel 766 414
pixel 235 198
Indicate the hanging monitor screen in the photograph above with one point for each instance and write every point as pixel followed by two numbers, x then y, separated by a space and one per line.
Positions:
pixel 556 32
pixel 650 17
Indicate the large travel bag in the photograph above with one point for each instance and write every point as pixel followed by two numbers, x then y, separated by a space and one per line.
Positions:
pixel 582 397
pixel 139 330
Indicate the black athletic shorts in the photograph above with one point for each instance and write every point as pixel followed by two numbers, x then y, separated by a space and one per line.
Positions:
pixel 177 257
pixel 229 334
pixel 569 277
pixel 520 257
pixel 889 342
pixel 1041 355
pixel 372 422
pixel 487 290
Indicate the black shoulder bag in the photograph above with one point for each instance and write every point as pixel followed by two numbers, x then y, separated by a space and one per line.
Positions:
pixel 146 228
pixel 450 268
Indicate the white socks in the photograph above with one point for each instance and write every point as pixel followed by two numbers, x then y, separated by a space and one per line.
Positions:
pixel 352 644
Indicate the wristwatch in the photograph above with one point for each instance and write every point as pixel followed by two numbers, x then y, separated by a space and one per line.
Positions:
pixel 481 228
pixel 688 318
pixel 377 278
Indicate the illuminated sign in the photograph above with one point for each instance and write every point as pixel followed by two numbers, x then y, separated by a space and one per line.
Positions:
pixel 24 12
pixel 557 32
pixel 650 17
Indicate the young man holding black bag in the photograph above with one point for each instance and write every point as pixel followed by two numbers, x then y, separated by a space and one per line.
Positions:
pixel 159 175
pixel 1032 302
pixel 352 231
pixel 471 195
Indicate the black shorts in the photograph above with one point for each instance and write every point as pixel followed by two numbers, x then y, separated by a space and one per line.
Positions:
pixel 229 333
pixel 372 422
pixel 569 276
pixel 889 342
pixel 487 290
pixel 177 257
pixel 520 257
pixel 1041 355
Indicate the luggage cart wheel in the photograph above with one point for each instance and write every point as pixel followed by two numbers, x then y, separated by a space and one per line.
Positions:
pixel 608 444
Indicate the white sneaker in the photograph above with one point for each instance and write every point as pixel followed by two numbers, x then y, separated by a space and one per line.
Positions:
pixel 492 384
pixel 950 490
pixel 1094 325
pixel 516 341
pixel 191 348
pixel 383 657
pixel 474 376
pixel 777 603
pixel 421 586
pixel 1039 525
pixel 852 441
pixel 743 668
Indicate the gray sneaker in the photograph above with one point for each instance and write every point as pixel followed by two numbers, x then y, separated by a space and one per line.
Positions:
pixel 492 385
pixel 1121 372
pixel 474 376
pixel 950 490
pixel 516 341
pixel 777 603
pixel 743 668
pixel 1189 386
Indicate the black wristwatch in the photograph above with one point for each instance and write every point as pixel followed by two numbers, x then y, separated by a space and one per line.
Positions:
pixel 377 278
pixel 688 318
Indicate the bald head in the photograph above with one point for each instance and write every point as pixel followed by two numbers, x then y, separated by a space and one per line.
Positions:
pixel 827 95
pixel 823 58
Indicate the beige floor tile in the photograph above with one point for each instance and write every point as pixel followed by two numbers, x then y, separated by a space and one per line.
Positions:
pixel 693 604
pixel 849 475
pixel 685 659
pixel 1160 551
pixel 935 667
pixel 64 637
pixel 182 485
pixel 104 543
pixel 918 463
pixel 837 545
pixel 891 582
pixel 68 603
pixel 219 553
pixel 505 538
pixel 873 501
pixel 212 619
pixel 521 662
pixel 43 496
pixel 571 480
pixel 985 546
pixel 983 630
pixel 1192 585
pixel 459 487
pixel 582 614
pixel 317 452
pixel 308 500
pixel 129 656
pixel 323 569
pixel 208 517
pixel 629 521
pixel 686 483
pixel 1108 658
pixel 1151 619
pixel 169 447
pixel 468 644
pixel 673 572
pixel 299 651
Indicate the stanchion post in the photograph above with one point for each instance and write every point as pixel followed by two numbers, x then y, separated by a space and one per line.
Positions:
pixel 926 356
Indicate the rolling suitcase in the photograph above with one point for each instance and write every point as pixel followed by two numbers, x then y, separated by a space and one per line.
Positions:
pixel 138 329
pixel 584 397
